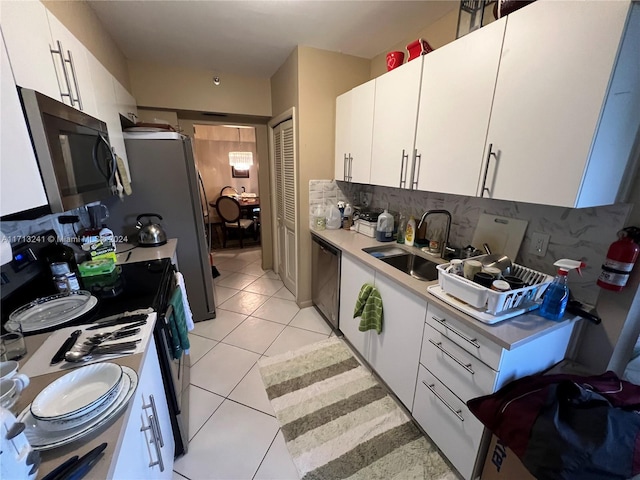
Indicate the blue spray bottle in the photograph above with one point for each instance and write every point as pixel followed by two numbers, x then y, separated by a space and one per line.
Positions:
pixel 557 294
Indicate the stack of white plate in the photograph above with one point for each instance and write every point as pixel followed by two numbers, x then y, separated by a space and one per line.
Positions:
pixel 77 403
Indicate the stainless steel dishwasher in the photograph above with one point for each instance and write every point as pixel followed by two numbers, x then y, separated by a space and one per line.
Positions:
pixel 325 280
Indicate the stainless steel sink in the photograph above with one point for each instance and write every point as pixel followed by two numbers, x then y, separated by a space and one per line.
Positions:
pixel 414 265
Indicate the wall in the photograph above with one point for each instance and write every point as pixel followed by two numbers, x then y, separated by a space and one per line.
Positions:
pixel 80 19
pixel 284 85
pixel 439 33
pixel 176 88
pixel 322 76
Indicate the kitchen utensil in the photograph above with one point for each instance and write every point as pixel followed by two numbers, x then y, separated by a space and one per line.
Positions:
pixel 484 279
pixel 52 311
pixel 73 393
pixel 11 389
pixel 56 473
pixel 82 355
pixel 514 282
pixel 150 234
pixel 500 286
pixel 504 235
pixel 19 460
pixel 496 261
pixel 84 464
pixel 9 369
pixel 122 318
pixel 470 268
pixel 42 440
pixel 66 346
pixel 117 335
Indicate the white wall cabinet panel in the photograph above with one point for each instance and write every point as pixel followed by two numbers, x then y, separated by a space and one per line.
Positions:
pixel 353 275
pixel 25 27
pixel 394 125
pixel 125 102
pixel 78 71
pixel 395 353
pixel 458 81
pixel 343 135
pixel 21 185
pixel 361 118
pixel 137 450
pixel 549 97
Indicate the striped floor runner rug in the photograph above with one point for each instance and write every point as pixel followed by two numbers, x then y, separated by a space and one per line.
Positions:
pixel 338 421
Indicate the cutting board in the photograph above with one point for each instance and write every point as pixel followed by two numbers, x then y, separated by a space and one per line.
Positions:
pixel 503 235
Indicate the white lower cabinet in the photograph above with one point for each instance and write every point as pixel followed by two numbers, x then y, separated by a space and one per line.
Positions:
pixel 458 364
pixel 393 354
pixel 147 447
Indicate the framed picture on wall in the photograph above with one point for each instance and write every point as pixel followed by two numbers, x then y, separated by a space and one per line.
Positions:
pixel 239 173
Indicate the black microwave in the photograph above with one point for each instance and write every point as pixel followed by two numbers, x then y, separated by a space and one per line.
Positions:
pixel 76 161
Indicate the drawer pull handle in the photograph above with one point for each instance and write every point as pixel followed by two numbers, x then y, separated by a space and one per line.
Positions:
pixel 466 366
pixel 154 441
pixel 444 323
pixel 432 387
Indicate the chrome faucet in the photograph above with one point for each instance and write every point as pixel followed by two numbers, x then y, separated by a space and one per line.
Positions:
pixel 448 230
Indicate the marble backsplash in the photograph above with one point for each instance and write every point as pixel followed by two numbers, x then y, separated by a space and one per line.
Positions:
pixel 324 193
pixel 582 234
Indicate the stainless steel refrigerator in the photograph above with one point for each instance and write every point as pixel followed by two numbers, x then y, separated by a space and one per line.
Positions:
pixel 165 180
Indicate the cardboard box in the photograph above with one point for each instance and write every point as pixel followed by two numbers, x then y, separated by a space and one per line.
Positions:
pixel 503 464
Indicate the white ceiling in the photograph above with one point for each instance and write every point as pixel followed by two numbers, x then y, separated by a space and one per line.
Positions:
pixel 253 38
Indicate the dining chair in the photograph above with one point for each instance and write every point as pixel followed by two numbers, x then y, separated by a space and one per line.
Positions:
pixel 229 211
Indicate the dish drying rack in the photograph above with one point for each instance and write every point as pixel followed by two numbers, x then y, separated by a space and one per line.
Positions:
pixel 486 305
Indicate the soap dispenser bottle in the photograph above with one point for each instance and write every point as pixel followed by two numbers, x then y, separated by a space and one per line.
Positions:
pixel 410 232
pixel 557 294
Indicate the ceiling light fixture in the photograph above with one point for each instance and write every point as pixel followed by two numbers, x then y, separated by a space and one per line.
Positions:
pixel 216 80
pixel 240 160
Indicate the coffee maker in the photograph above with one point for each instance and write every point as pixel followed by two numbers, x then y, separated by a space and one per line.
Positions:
pixel 97 215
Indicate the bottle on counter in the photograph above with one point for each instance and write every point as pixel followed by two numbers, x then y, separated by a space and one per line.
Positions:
pixel 410 232
pixel 402 223
pixel 557 294
pixel 347 219
pixel 384 227
pixel 62 263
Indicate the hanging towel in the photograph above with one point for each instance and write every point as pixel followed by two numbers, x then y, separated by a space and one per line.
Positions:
pixel 124 177
pixel 185 300
pixel 178 325
pixel 369 309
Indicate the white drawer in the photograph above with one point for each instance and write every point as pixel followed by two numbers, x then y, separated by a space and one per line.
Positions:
pixel 468 339
pixel 448 423
pixel 461 372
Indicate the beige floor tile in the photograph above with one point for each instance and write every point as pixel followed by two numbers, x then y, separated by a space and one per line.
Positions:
pixel 237 281
pixel 251 392
pixel 244 302
pixel 309 319
pixel 202 404
pixel 199 347
pixel 277 310
pixel 254 334
pixel 292 338
pixel 222 294
pixel 277 465
pixel 264 286
pixel 285 294
pixel 222 368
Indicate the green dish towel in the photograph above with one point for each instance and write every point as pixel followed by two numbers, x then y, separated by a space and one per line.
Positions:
pixel 369 309
pixel 178 325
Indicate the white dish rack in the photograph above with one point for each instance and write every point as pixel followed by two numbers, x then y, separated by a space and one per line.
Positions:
pixel 488 305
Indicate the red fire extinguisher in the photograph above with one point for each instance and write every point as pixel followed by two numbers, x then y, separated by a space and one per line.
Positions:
pixel 621 257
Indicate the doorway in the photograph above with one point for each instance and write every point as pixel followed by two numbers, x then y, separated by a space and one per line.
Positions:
pixel 226 156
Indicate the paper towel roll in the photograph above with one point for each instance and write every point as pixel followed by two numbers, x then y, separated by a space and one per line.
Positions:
pixel 6 255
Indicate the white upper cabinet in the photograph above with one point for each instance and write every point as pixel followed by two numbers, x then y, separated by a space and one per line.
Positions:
pixel 394 125
pixel 72 68
pixel 343 135
pixel 458 81
pixel 25 28
pixel 551 104
pixel 354 131
pixel 21 185
pixel 125 102
pixel 362 105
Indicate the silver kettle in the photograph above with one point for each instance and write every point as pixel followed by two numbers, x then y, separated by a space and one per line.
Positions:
pixel 150 234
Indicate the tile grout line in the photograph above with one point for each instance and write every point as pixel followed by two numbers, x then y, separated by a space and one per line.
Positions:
pixel 265 454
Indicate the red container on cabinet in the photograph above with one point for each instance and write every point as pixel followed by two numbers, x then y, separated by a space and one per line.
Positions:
pixel 394 60
pixel 417 48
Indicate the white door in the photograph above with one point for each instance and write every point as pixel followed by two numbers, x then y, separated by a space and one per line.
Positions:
pixel 394 125
pixel 361 137
pixel 285 186
pixel 458 82
pixel 549 97
pixel 343 133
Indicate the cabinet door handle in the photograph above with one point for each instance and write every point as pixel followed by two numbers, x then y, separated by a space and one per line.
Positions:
pixel 403 171
pixel 416 168
pixel 152 406
pixel 466 366
pixel 344 169
pixel 75 80
pixel 432 387
pixel 154 441
pixel 350 167
pixel 444 323
pixel 486 172
pixel 63 63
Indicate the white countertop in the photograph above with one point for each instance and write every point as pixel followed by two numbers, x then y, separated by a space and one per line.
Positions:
pixel 509 333
pixel 143 254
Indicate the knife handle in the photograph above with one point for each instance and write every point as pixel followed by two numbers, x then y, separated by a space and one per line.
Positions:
pixel 62 468
pixel 66 346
